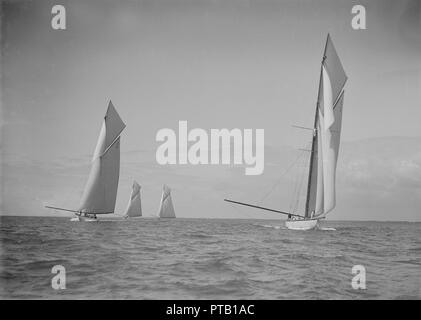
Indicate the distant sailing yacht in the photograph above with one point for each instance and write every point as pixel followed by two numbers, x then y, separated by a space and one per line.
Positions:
pixel 166 208
pixel 99 196
pixel 321 197
pixel 134 207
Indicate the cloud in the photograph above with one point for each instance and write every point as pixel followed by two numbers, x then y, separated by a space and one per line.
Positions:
pixel 380 176
pixel 381 163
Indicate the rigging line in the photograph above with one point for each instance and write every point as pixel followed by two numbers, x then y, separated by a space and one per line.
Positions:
pixel 291 198
pixel 294 190
pixel 300 185
pixel 279 180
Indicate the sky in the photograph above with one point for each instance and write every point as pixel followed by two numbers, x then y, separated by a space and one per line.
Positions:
pixel 217 64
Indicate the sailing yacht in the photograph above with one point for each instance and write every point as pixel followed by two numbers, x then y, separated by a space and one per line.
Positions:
pixel 321 195
pixel 166 208
pixel 100 193
pixel 134 207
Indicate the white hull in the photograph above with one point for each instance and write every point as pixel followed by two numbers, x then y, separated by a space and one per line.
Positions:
pixel 85 219
pixel 131 218
pixel 301 224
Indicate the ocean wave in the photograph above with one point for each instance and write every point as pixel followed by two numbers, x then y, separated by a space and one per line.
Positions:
pixel 277 227
pixel 201 259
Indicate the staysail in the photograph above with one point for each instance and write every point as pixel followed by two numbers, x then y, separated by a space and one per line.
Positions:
pixel 100 192
pixel 321 195
pixel 134 207
pixel 166 208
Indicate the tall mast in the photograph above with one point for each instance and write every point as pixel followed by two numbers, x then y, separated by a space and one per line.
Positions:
pixel 315 133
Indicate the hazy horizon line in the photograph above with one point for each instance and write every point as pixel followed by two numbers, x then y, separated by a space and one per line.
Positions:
pixel 114 215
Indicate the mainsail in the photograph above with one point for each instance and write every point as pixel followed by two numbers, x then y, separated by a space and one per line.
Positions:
pixel 100 192
pixel 166 208
pixel 321 195
pixel 134 207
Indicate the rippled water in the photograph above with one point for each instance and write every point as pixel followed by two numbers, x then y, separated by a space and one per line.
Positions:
pixel 207 259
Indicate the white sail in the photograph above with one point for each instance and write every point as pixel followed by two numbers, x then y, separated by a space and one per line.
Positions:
pixel 134 207
pixel 321 197
pixel 335 70
pixel 319 206
pixel 100 192
pixel 330 139
pixel 166 208
pixel 329 118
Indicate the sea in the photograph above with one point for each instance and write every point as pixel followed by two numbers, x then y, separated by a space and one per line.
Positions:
pixel 145 258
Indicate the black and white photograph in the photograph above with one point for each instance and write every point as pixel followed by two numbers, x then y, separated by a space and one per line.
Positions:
pixel 186 150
